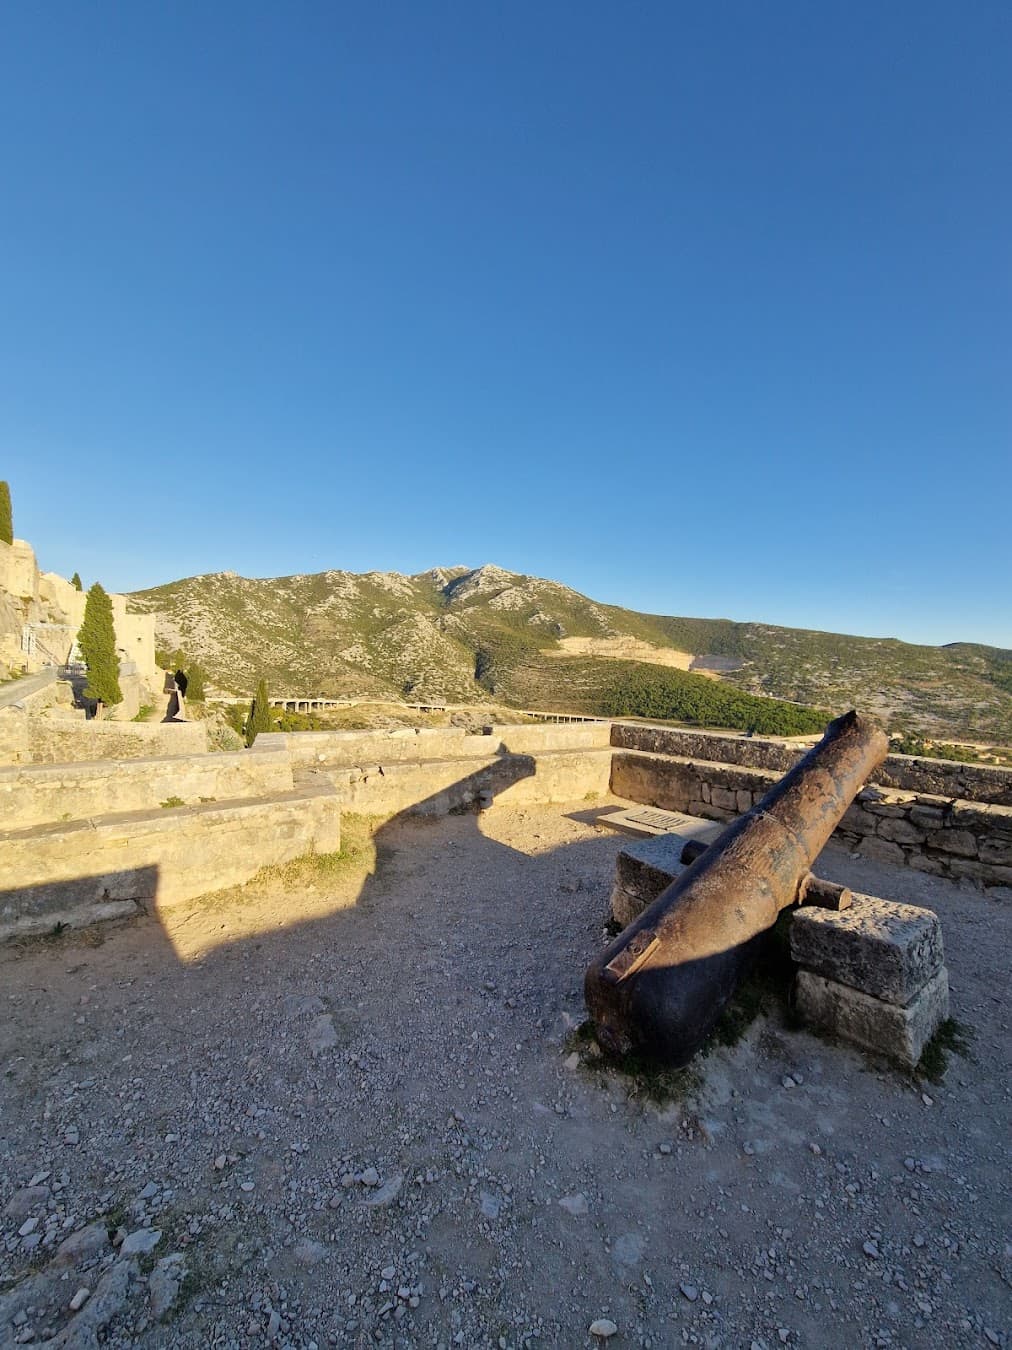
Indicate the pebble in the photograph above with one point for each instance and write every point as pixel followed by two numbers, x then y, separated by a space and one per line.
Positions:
pixel 29 1226
pixel 574 1204
pixel 603 1327
pixel 370 1177
pixel 273 1325
pixel 139 1242
pixel 689 1291
pixel 788 1081
pixel 79 1298
pixel 247 1186
pixel 871 1249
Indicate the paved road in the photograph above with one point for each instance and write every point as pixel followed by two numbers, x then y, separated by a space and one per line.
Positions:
pixel 26 686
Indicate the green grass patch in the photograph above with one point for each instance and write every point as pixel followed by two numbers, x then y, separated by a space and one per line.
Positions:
pixel 172 801
pixel 952 1037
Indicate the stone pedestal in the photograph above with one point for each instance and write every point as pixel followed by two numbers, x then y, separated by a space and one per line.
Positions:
pixel 872 975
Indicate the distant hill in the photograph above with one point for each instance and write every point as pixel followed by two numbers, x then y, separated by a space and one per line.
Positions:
pixel 486 634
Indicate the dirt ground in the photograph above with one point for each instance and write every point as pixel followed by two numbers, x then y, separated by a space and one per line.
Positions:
pixel 343 1110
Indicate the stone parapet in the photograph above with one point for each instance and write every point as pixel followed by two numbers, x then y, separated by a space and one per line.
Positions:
pixel 57 873
pixel 34 794
pixel 961 840
pixel 42 739
pixel 706 788
pixel 940 777
pixel 437 787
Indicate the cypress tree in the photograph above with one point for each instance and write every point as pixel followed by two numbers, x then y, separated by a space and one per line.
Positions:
pixel 259 714
pixel 6 519
pixel 97 641
pixel 195 686
pixel 75 581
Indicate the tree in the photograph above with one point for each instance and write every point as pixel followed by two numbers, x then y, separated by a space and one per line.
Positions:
pixel 97 641
pixel 195 675
pixel 259 714
pixel 75 581
pixel 6 519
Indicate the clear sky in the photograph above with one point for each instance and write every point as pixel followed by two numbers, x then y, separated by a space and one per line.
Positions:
pixel 703 309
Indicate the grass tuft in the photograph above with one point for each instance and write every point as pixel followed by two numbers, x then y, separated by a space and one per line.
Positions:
pixel 952 1037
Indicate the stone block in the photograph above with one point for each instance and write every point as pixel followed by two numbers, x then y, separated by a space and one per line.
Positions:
pixel 744 799
pixel 859 820
pixel 882 850
pixel 960 842
pixel 901 832
pixel 899 1034
pixel 644 869
pixel 724 798
pixel 923 862
pixel 927 817
pixel 882 948
pixel 996 851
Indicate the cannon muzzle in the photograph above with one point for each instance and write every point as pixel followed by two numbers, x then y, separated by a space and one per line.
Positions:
pixel 660 986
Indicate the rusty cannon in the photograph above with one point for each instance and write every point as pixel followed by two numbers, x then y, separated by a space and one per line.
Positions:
pixel 661 985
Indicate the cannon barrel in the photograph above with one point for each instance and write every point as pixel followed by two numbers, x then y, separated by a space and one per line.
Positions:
pixel 660 986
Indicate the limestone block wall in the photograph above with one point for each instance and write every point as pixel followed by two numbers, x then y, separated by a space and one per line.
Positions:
pixel 942 777
pixel 696 786
pixel 19 574
pixel 74 872
pixel 947 837
pixel 41 739
pixel 437 787
pixel 405 744
pixel 34 794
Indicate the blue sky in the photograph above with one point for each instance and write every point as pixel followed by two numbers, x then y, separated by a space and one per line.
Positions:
pixel 702 309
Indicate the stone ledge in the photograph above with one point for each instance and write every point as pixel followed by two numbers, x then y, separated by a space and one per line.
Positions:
pixel 162 856
pixel 879 947
pixel 899 1034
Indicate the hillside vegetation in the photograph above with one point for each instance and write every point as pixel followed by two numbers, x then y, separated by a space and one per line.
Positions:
pixel 463 635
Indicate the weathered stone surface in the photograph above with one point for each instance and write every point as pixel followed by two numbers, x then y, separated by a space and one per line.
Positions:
pixel 961 842
pixel 885 949
pixel 162 856
pixel 996 851
pixel 645 867
pixel 901 832
pixel 900 1034
pixel 882 850
pixel 923 862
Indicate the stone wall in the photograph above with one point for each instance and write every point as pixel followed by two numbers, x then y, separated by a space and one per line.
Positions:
pixel 437 787
pixel 409 744
pixel 33 794
pixel 948 837
pixel 697 787
pixel 71 873
pixel 941 777
pixel 54 739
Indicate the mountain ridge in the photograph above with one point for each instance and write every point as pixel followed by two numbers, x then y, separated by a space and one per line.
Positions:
pixel 487 633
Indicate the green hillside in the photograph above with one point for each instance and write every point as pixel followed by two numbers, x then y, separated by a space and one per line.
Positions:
pixel 463 635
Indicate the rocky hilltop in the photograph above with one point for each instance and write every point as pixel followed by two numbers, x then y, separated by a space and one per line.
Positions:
pixel 487 634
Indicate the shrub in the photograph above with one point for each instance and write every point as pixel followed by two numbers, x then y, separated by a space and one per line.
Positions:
pixel 6 519
pixel 676 695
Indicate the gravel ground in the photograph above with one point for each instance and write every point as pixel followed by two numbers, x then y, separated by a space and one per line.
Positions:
pixel 347 1114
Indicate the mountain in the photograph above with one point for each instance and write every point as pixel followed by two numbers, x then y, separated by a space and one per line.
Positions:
pixel 486 634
